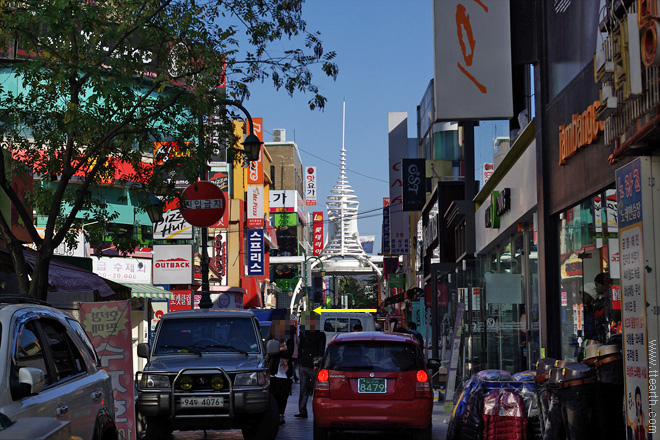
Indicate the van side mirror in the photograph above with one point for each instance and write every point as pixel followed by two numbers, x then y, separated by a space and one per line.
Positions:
pixel 273 347
pixel 143 350
pixel 433 364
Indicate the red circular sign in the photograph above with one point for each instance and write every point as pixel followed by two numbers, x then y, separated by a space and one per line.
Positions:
pixel 202 204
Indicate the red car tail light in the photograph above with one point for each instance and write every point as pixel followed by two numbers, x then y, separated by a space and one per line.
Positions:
pixel 423 386
pixel 322 387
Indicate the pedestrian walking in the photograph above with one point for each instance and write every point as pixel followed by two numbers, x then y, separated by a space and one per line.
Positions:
pixel 280 367
pixel 310 353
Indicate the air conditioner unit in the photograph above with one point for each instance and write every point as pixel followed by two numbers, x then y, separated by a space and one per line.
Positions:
pixel 279 135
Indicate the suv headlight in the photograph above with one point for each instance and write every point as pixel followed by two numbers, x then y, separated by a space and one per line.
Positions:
pixel 155 381
pixel 252 379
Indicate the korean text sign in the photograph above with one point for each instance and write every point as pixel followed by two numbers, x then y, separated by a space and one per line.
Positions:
pixel 255 252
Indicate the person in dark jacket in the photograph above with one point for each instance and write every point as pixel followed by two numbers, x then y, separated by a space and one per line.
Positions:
pixel 310 351
pixel 280 366
pixel 412 328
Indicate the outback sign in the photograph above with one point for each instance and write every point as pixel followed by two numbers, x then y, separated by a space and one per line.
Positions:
pixel 172 264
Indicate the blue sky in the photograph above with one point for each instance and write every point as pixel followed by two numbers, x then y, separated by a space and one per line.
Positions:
pixel 385 58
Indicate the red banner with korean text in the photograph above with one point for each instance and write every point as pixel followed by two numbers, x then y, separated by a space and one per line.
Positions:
pixel 317 224
pixel 181 300
pixel 108 325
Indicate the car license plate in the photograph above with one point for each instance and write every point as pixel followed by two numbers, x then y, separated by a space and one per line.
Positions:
pixel 201 402
pixel 372 385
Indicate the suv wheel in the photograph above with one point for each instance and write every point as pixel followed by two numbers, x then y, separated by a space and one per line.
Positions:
pixel 267 426
pixel 152 428
pixel 320 433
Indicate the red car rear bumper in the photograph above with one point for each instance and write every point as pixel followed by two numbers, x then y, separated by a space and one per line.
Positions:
pixel 372 414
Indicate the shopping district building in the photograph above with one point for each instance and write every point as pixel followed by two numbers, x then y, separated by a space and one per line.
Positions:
pixel 566 213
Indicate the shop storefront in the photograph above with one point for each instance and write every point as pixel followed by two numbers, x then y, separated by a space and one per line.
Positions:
pixel 580 223
pixel 502 303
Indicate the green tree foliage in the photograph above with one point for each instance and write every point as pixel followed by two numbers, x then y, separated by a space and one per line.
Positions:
pixel 364 291
pixel 85 86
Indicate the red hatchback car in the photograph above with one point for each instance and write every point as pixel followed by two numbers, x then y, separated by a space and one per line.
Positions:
pixel 373 381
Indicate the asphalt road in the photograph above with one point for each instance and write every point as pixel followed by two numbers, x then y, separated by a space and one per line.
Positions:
pixel 302 428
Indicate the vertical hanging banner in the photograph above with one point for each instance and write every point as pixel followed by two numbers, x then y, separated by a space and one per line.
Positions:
pixel 385 245
pixel 317 239
pixel 108 325
pixel 221 180
pixel 255 239
pixel 397 125
pixel 255 206
pixel 413 176
pixel 256 168
pixel 220 256
pixel 310 186
pixel 637 198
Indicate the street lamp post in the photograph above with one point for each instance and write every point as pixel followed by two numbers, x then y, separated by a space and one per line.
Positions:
pixel 251 151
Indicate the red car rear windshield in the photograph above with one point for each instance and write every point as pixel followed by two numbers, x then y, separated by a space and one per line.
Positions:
pixel 373 356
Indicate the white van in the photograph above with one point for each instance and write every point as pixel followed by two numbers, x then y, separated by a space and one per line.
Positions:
pixel 333 323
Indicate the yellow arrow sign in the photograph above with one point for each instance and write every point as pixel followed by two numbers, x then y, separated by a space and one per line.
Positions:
pixel 320 310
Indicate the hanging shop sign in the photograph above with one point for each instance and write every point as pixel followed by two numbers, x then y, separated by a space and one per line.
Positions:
pixel 173 226
pixel 255 263
pixel 255 169
pixel 385 245
pixel 220 256
pixel 221 180
pixel 123 270
pixel 413 177
pixel 255 206
pixel 317 235
pixel 310 186
pixel 476 66
pixel 172 264
pixel 582 131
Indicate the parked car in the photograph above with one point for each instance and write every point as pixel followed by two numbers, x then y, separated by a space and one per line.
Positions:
pixel 334 323
pixel 49 368
pixel 373 381
pixel 207 369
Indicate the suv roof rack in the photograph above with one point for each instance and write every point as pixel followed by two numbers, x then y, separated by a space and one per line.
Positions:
pixel 21 299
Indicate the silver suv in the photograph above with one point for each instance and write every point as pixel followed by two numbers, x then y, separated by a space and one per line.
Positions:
pixel 207 369
pixel 49 368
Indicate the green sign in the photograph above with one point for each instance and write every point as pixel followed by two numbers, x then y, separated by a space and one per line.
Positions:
pixel 285 219
pixel 397 280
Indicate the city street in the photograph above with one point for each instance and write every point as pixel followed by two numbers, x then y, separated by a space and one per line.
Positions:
pixel 302 428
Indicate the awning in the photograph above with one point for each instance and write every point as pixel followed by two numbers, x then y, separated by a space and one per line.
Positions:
pixel 147 291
